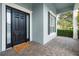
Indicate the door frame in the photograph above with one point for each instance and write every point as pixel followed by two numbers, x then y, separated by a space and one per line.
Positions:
pixel 4 21
pixel 6 26
pixel 28 39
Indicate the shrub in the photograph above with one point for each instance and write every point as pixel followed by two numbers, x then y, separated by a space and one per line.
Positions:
pixel 78 34
pixel 66 33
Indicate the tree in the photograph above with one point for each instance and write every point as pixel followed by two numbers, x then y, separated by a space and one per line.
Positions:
pixel 65 21
pixel 78 19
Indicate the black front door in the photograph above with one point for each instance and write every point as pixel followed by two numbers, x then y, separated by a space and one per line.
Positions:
pixel 18 26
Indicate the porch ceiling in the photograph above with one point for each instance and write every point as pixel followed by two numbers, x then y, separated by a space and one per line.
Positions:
pixel 62 7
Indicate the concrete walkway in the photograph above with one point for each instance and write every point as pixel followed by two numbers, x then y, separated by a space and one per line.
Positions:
pixel 60 46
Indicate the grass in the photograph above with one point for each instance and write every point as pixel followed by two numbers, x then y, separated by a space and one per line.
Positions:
pixel 66 33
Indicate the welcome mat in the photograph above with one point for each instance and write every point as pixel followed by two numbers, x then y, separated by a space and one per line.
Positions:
pixel 20 47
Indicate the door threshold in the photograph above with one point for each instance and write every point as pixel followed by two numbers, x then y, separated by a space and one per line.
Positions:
pixel 9 48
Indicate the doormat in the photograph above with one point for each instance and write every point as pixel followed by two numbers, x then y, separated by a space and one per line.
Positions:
pixel 20 47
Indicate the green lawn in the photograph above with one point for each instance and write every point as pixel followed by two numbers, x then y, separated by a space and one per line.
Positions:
pixel 66 33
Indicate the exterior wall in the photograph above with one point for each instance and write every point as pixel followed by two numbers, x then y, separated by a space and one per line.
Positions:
pixel 46 37
pixel 37 22
pixel 25 5
pixel 51 7
pixel 40 22
pixel 0 26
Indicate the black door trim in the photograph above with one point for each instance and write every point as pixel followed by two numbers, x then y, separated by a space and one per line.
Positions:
pixel 8 45
pixel 11 45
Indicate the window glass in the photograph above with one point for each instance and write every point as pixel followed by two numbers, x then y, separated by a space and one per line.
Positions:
pixel 51 23
pixel 8 26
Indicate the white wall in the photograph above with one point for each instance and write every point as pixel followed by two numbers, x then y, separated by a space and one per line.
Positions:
pixel 46 37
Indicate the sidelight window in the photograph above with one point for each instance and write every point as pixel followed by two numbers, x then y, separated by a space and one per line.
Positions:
pixel 8 25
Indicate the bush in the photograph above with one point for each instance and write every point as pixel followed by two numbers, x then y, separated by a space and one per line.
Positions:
pixel 66 33
pixel 78 34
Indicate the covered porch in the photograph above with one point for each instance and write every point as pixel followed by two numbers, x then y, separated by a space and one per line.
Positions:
pixel 43 39
pixel 62 10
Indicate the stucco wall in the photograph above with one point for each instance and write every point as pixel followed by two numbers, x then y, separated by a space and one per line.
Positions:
pixel 37 22
pixel 26 5
pixel 0 26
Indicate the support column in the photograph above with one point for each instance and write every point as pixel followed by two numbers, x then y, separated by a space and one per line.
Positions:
pixel 75 27
pixel 57 18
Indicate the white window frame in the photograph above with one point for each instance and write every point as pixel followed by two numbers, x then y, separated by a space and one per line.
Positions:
pixel 56 22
